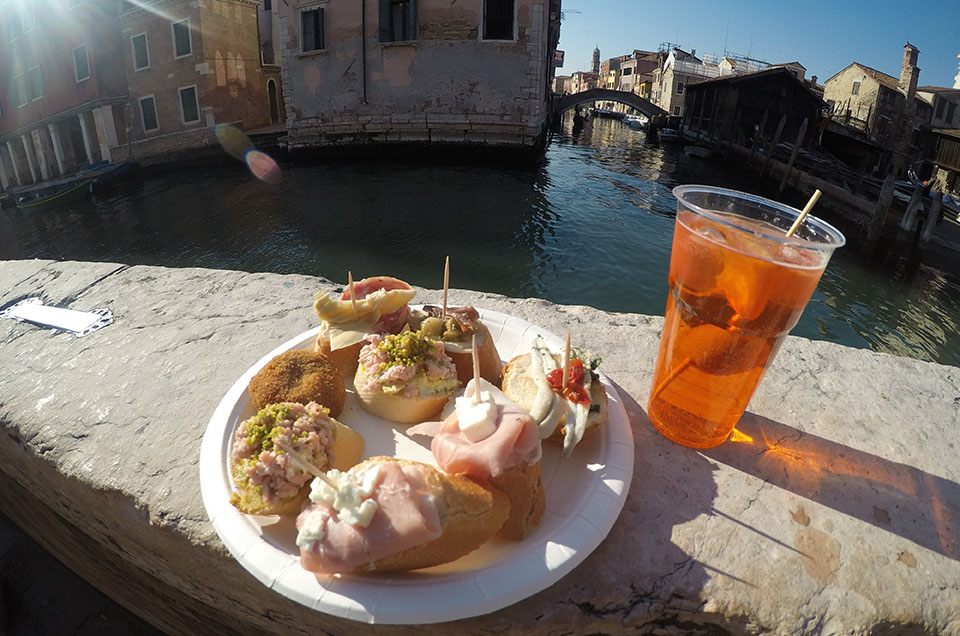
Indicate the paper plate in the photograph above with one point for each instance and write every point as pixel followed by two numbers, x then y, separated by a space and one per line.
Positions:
pixel 584 497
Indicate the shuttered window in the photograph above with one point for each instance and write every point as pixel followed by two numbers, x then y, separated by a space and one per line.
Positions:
pixel 398 20
pixel 148 113
pixel 498 19
pixel 311 29
pixel 189 107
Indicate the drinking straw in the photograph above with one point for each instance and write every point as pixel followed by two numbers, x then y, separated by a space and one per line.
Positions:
pixel 353 296
pixel 302 463
pixel 803 215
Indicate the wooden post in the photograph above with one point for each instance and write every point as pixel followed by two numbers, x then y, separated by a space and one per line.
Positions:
pixel 933 215
pixel 731 133
pixel 916 203
pixel 879 216
pixel 793 155
pixel 758 137
pixel 773 146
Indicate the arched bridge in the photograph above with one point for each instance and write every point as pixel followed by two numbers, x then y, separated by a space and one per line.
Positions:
pixel 567 102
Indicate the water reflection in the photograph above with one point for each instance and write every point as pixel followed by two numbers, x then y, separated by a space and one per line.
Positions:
pixel 592 225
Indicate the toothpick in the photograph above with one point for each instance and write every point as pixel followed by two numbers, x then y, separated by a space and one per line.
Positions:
pixel 803 215
pixel 302 463
pixel 446 286
pixel 566 362
pixel 476 369
pixel 353 296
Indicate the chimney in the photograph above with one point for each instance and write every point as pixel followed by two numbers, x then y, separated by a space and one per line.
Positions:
pixel 813 80
pixel 693 52
pixel 909 73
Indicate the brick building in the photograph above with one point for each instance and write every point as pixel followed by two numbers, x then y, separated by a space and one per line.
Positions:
pixel 63 90
pixel 191 66
pixel 418 71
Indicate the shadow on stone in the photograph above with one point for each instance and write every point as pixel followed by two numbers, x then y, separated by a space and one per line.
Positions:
pixel 671 485
pixel 898 498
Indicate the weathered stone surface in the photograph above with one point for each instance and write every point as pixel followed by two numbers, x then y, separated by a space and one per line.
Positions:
pixel 837 510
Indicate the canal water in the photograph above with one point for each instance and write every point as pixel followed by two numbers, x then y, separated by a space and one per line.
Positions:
pixel 592 225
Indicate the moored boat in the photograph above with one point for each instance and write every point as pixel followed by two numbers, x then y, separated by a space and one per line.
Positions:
pixel 53 196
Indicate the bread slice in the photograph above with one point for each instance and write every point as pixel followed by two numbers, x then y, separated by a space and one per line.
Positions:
pixel 523 486
pixel 470 515
pixel 522 389
pixel 397 408
pixel 490 363
pixel 345 359
pixel 345 451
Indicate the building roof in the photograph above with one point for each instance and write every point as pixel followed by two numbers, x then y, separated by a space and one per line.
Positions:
pixel 948 132
pixel 937 89
pixel 741 77
pixel 886 80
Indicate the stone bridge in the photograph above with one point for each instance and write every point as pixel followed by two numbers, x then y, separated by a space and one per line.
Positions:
pixel 565 103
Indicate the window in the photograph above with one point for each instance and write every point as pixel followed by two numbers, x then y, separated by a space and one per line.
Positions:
pixel 189 108
pixel 19 90
pixel 148 113
pixel 81 63
pixel 181 39
pixel 14 24
pixel 679 88
pixel 627 71
pixel 498 19
pixel 856 89
pixel 950 111
pixel 941 104
pixel 676 111
pixel 311 29
pixel 268 5
pixel 34 83
pixel 27 17
pixel 141 54
pixel 398 20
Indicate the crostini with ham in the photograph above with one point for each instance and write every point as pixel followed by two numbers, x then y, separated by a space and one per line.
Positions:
pixel 393 514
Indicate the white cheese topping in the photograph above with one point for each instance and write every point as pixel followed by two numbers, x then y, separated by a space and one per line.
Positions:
pixel 477 421
pixel 352 499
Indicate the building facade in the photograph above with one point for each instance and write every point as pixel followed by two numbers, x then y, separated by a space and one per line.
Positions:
pixel 63 88
pixel 736 106
pixel 191 65
pixel 418 71
pixel 886 109
pixel 676 70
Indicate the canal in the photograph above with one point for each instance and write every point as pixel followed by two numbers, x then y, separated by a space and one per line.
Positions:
pixel 592 225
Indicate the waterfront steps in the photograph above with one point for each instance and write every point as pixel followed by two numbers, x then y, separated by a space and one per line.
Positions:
pixel 837 510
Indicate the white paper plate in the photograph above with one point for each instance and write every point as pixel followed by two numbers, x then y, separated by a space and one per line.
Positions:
pixel 584 497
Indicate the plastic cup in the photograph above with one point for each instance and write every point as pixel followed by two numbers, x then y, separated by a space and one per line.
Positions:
pixel 738 285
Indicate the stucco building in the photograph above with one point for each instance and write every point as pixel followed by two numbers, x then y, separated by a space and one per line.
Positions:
pixel 676 70
pixel 190 66
pixel 886 109
pixel 397 72
pixel 63 89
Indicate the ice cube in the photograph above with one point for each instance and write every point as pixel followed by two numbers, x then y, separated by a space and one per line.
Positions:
pixel 794 255
pixel 712 234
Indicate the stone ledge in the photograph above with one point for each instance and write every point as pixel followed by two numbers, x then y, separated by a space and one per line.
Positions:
pixel 838 511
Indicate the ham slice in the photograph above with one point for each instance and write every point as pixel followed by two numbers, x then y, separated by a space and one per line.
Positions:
pixel 406 516
pixel 515 442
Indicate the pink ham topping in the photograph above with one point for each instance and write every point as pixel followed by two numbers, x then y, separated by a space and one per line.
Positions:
pixel 406 516
pixel 516 442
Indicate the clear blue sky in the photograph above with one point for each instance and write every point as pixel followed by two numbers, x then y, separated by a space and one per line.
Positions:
pixel 824 36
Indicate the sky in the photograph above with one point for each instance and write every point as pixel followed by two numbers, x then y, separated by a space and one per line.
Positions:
pixel 825 36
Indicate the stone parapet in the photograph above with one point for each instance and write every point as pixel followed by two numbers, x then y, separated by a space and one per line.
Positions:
pixel 836 509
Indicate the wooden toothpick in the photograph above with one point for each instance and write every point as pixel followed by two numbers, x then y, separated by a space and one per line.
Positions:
pixel 803 214
pixel 566 363
pixel 302 462
pixel 353 296
pixel 476 369
pixel 446 286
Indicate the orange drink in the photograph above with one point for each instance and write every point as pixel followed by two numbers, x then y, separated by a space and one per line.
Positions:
pixel 737 287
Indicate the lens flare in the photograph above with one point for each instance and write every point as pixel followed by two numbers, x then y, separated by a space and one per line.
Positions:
pixel 263 167
pixel 234 141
